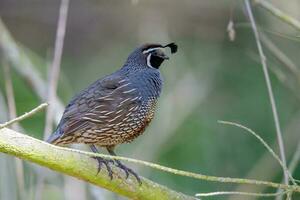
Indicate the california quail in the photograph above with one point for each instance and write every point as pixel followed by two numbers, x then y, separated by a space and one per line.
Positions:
pixel 116 108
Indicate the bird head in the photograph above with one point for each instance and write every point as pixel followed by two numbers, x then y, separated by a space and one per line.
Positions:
pixel 151 55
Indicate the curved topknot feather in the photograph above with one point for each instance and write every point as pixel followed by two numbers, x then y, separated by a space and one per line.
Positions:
pixel 173 47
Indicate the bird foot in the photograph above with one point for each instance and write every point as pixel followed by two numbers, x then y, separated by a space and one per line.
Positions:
pixel 106 162
pixel 128 171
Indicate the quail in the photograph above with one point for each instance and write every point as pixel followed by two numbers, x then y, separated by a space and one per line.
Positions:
pixel 117 108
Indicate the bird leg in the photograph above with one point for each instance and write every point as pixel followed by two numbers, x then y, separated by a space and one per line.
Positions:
pixel 122 166
pixel 102 161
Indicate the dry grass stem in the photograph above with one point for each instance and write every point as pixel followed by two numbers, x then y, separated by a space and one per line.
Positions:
pixel 270 90
pixel 55 67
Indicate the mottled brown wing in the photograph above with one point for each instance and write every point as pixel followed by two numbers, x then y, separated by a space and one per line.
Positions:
pixel 105 102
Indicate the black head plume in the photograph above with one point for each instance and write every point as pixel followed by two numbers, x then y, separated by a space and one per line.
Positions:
pixel 172 46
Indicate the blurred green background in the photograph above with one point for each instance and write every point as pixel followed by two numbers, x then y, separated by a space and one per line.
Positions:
pixel 210 78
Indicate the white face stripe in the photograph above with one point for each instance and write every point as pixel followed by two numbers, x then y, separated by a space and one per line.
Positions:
pixel 148 50
pixel 148 61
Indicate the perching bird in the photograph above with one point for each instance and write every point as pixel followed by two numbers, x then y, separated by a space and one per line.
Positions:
pixel 117 108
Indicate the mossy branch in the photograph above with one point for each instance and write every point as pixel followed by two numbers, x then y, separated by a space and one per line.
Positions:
pixel 82 167
pixel 79 164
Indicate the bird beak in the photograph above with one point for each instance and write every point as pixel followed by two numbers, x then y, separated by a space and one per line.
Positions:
pixel 165 57
pixel 161 54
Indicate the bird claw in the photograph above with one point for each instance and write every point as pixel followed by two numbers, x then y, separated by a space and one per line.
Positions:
pixel 106 162
pixel 128 171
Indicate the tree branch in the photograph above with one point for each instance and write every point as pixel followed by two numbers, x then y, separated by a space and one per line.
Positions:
pixel 81 166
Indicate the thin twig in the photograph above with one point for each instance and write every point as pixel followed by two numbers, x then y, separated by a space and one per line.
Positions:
pixel 269 87
pixel 266 161
pixel 264 143
pixel 24 116
pixel 278 13
pixel 13 114
pixel 239 193
pixel 55 67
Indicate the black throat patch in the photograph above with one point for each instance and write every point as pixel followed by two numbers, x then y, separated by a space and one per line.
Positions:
pixel 155 61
